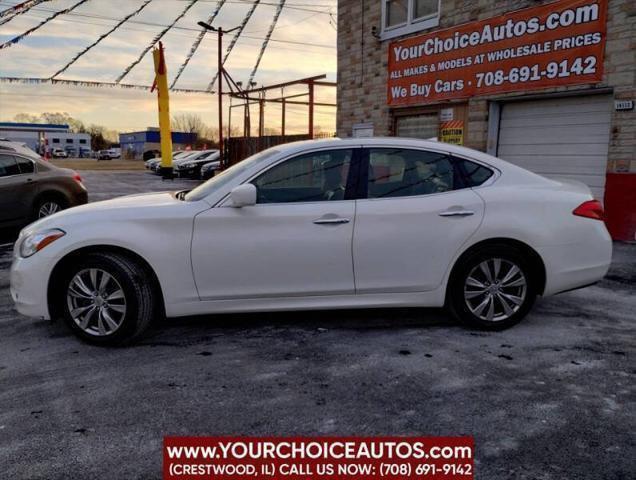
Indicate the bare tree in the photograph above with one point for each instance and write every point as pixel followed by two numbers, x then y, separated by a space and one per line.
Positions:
pixel 188 123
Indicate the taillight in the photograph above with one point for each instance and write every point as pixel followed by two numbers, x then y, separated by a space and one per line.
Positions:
pixel 590 209
pixel 77 178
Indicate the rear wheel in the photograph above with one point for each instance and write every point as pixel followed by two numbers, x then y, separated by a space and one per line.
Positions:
pixel 493 288
pixel 107 299
pixel 48 206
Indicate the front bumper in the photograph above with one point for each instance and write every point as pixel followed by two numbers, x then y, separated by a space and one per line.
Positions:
pixel 29 286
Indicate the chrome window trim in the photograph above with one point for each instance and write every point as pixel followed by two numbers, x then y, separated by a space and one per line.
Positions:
pixel 490 181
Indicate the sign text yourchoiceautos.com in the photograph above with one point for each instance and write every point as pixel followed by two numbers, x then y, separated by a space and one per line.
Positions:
pixel 561 43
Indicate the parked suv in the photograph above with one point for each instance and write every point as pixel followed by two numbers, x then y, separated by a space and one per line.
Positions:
pixel 109 154
pixel 59 153
pixel 31 188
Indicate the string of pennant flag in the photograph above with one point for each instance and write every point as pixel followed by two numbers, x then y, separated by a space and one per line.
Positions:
pixel 10 13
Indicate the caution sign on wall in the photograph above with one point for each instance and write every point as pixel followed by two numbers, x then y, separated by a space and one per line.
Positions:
pixel 452 132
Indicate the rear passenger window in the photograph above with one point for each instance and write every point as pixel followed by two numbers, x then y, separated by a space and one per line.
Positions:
pixel 26 165
pixel 397 172
pixel 474 174
pixel 8 166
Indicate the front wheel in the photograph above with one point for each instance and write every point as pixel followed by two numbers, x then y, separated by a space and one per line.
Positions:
pixel 493 288
pixel 107 299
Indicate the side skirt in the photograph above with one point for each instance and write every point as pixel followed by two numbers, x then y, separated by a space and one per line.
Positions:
pixel 434 298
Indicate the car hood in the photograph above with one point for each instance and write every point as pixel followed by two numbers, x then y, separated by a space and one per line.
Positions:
pixel 141 206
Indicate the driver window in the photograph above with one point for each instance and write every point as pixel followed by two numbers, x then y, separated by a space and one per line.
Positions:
pixel 314 177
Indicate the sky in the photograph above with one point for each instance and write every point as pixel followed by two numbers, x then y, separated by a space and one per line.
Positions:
pixel 303 44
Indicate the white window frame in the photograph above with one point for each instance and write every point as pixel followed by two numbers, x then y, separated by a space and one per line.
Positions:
pixel 411 25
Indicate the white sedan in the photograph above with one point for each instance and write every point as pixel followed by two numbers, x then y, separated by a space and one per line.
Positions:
pixel 352 223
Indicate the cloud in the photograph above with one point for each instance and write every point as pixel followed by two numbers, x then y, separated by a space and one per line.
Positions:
pixel 50 47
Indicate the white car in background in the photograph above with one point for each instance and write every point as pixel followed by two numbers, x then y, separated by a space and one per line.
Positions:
pixel 59 153
pixel 354 223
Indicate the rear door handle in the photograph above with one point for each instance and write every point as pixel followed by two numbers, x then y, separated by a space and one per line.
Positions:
pixel 456 213
pixel 330 221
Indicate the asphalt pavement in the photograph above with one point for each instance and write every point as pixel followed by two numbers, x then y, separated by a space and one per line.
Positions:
pixel 552 398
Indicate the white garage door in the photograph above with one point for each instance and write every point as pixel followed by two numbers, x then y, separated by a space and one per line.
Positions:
pixel 561 137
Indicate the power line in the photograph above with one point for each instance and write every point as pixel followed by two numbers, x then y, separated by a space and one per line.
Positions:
pixel 266 41
pixel 99 39
pixel 246 19
pixel 152 24
pixel 17 39
pixel 155 40
pixel 184 34
pixel 120 24
pixel 197 42
pixel 19 9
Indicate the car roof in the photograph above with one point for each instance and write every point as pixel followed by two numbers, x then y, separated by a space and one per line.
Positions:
pixel 514 172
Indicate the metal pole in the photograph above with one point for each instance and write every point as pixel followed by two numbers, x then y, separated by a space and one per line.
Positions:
pixel 220 70
pixel 282 128
pixel 311 109
pixel 229 120
pixel 261 118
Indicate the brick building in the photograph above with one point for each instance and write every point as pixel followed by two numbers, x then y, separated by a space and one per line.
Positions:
pixel 546 85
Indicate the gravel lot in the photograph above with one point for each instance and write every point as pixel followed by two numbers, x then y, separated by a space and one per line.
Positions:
pixel 552 398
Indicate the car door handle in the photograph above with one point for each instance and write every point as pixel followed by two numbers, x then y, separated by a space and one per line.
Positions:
pixel 331 221
pixel 456 213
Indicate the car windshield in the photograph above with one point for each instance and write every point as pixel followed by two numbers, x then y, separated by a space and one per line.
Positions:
pixel 222 178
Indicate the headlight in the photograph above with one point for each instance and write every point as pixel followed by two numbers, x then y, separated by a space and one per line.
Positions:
pixel 35 242
pixel 186 166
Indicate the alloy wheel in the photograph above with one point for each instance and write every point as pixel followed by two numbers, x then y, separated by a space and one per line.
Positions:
pixel 48 208
pixel 96 302
pixel 495 289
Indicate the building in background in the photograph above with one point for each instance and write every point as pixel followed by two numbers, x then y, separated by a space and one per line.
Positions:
pixel 147 144
pixel 547 85
pixel 38 136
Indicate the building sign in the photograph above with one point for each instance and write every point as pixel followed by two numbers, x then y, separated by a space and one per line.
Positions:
pixel 362 130
pixel 560 43
pixel 446 114
pixel 452 132
pixel 621 105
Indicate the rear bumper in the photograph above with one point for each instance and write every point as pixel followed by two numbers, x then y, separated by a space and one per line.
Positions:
pixel 80 197
pixel 573 266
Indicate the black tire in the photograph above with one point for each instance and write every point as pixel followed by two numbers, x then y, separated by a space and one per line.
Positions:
pixel 139 296
pixel 61 203
pixel 508 255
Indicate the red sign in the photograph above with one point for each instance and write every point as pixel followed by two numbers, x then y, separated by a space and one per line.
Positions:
pixel 561 43
pixel 320 458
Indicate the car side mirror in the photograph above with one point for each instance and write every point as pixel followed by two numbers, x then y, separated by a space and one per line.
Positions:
pixel 243 195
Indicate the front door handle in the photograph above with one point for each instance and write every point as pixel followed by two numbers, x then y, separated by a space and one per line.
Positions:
pixel 456 213
pixel 331 221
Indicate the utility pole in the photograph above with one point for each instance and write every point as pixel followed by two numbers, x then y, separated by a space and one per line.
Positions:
pixel 221 72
